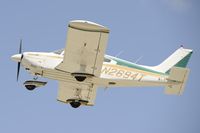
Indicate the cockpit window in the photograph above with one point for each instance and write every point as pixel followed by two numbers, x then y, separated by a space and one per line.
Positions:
pixel 60 51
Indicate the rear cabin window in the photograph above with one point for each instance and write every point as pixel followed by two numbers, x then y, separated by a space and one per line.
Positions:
pixel 107 60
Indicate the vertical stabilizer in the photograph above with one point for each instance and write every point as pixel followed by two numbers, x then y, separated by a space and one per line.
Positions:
pixel 179 58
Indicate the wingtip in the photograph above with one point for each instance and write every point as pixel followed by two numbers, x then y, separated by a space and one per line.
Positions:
pixel 88 25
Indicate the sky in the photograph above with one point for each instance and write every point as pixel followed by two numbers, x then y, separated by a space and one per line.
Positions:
pixel 151 29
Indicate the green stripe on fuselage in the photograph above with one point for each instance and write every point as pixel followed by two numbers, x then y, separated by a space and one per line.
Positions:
pixel 133 65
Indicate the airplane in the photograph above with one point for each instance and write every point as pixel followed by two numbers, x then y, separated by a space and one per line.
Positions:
pixel 82 66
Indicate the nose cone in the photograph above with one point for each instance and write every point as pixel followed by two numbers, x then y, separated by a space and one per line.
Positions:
pixel 16 57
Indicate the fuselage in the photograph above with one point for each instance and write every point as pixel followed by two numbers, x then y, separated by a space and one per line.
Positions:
pixel 44 65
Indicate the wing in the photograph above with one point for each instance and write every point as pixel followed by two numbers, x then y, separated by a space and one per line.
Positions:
pixel 68 92
pixel 85 48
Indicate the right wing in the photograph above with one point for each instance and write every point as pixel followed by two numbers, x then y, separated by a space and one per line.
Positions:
pixel 84 54
pixel 85 48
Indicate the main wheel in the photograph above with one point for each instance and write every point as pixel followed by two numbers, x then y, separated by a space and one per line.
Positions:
pixel 80 78
pixel 30 87
pixel 75 104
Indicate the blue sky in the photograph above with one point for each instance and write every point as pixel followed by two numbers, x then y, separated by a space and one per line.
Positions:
pixel 152 29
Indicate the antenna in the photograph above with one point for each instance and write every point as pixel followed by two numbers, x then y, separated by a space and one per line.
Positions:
pixel 117 55
pixel 138 59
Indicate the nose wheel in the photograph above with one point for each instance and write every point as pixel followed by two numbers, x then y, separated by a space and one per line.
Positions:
pixel 32 84
pixel 30 87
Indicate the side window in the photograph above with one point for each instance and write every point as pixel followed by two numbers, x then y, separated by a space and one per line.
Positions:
pixel 60 51
pixel 107 60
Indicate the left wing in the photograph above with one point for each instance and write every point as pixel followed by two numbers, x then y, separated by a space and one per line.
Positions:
pixel 85 48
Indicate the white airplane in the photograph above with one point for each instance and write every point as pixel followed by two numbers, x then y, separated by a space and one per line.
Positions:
pixel 82 67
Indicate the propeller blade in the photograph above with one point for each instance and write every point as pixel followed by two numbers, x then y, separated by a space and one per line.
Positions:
pixel 21 57
pixel 20 47
pixel 18 70
pixel 19 63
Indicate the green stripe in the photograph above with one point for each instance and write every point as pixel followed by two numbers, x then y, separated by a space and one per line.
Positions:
pixel 133 65
pixel 182 63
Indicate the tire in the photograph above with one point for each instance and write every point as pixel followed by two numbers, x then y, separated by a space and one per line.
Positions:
pixel 75 104
pixel 30 87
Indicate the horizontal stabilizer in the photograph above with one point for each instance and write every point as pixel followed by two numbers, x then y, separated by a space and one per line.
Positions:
pixel 177 74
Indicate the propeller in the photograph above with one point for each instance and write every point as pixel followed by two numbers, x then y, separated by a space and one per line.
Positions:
pixel 19 63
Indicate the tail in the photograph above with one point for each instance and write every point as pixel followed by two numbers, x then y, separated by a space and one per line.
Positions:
pixel 179 58
pixel 175 66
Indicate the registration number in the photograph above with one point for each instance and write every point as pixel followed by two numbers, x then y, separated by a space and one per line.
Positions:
pixel 121 73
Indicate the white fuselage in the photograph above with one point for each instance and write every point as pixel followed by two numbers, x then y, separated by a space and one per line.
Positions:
pixel 44 65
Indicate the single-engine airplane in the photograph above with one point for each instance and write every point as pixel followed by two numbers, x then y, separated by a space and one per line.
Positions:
pixel 82 66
